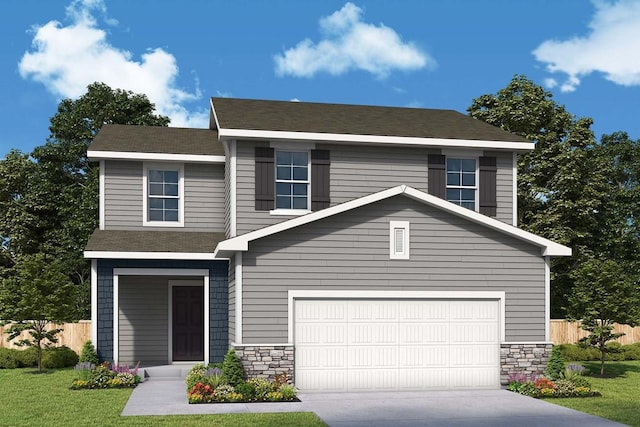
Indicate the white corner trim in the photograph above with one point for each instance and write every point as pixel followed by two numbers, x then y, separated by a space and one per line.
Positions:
pixel 241 243
pixel 406 236
pixel 101 200
pixel 94 302
pixel 116 318
pixel 233 161
pixel 295 294
pixel 547 298
pixel 238 303
pixel 145 194
pixel 374 139
pixel 199 256
pixel 162 157
pixel 514 188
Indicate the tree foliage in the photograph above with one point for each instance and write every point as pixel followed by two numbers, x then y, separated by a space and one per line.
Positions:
pixel 604 294
pixel 35 293
pixel 49 199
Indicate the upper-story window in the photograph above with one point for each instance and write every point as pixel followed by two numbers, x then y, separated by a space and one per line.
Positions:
pixel 292 180
pixel 163 195
pixel 462 182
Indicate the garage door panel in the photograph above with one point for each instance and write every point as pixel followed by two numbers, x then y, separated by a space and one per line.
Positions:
pixel 373 357
pixel 372 333
pixel 396 345
pixel 324 357
pixel 418 333
pixel 423 356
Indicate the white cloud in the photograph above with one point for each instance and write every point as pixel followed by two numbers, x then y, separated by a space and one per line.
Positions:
pixel 612 47
pixel 65 59
pixel 348 44
pixel 550 83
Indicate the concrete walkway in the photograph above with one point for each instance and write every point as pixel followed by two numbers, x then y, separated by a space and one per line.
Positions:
pixel 404 409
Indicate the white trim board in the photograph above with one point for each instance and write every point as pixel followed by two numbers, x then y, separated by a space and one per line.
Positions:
pixel 198 256
pixel 171 285
pixel 294 295
pixel 373 139
pixel 117 272
pixel 166 157
pixel 241 243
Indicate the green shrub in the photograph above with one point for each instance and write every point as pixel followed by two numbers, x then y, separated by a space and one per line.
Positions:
pixel 232 368
pixel 27 358
pixel 195 375
pixel 555 367
pixel 88 353
pixel 59 357
pixel 287 391
pixel 631 352
pixel 8 359
pixel 262 386
pixel 248 390
pixel 615 351
pixel 11 358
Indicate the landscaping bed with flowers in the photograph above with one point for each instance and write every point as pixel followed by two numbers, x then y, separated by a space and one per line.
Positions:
pixel 224 383
pixel 104 375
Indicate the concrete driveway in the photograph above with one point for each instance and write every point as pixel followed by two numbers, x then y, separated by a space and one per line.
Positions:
pixel 494 408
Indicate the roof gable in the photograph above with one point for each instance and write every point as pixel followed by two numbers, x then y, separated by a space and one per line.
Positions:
pixel 240 243
pixel 304 120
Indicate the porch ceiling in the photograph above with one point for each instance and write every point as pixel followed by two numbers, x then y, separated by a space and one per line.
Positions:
pixel 153 241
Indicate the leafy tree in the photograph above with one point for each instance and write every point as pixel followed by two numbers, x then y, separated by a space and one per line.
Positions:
pixel 37 293
pixel 49 199
pixel 604 294
pixel 561 183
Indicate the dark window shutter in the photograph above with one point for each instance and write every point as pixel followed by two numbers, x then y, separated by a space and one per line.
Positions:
pixel 437 175
pixel 487 186
pixel 265 179
pixel 320 183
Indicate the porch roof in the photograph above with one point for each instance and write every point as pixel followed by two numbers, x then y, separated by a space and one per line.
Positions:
pixel 152 244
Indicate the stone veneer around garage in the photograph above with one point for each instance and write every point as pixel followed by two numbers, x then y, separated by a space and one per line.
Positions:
pixel 528 358
pixel 266 361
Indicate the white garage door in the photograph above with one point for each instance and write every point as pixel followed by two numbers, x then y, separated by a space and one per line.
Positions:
pixel 352 345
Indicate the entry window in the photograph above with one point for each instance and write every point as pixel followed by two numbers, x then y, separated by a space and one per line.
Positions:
pixel 292 180
pixel 462 182
pixel 163 196
pixel 399 239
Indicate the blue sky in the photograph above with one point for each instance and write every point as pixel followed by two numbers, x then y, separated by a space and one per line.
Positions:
pixel 417 53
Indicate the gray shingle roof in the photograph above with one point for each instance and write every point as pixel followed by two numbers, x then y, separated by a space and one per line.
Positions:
pixel 354 120
pixel 157 139
pixel 153 241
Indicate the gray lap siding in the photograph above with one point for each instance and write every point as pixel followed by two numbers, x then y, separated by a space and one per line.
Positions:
pixel 204 199
pixel 218 305
pixel 351 252
pixel 357 171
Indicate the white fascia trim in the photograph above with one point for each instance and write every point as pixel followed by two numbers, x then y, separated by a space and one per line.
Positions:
pixel 514 188
pixel 101 195
pixel 333 294
pixel 547 298
pixel 374 139
pixel 160 272
pixel 94 302
pixel 241 243
pixel 215 116
pixel 206 256
pixel 162 157
pixel 238 303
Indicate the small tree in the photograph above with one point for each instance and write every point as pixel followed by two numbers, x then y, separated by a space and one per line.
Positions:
pixel 36 294
pixel 604 294
pixel 555 367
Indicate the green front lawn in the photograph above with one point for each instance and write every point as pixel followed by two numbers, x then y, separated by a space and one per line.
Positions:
pixel 620 390
pixel 30 399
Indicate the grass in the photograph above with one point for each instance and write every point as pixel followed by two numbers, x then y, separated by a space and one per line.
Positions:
pixel 620 388
pixel 31 399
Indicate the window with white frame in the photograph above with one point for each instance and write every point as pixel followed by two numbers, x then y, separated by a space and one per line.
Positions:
pixel 462 182
pixel 292 180
pixel 163 195
pixel 399 239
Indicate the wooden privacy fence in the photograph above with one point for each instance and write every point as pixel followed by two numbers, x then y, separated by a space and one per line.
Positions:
pixel 564 332
pixel 73 335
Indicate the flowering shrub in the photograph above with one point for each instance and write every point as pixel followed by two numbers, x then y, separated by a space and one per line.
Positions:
pixel 104 376
pixel 571 385
pixel 212 386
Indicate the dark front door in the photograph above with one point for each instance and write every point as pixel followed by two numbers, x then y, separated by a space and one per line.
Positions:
pixel 188 323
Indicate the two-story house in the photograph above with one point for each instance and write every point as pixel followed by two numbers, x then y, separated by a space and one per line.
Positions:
pixel 354 247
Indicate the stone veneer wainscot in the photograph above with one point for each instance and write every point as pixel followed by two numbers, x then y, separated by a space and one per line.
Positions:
pixel 527 358
pixel 266 361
